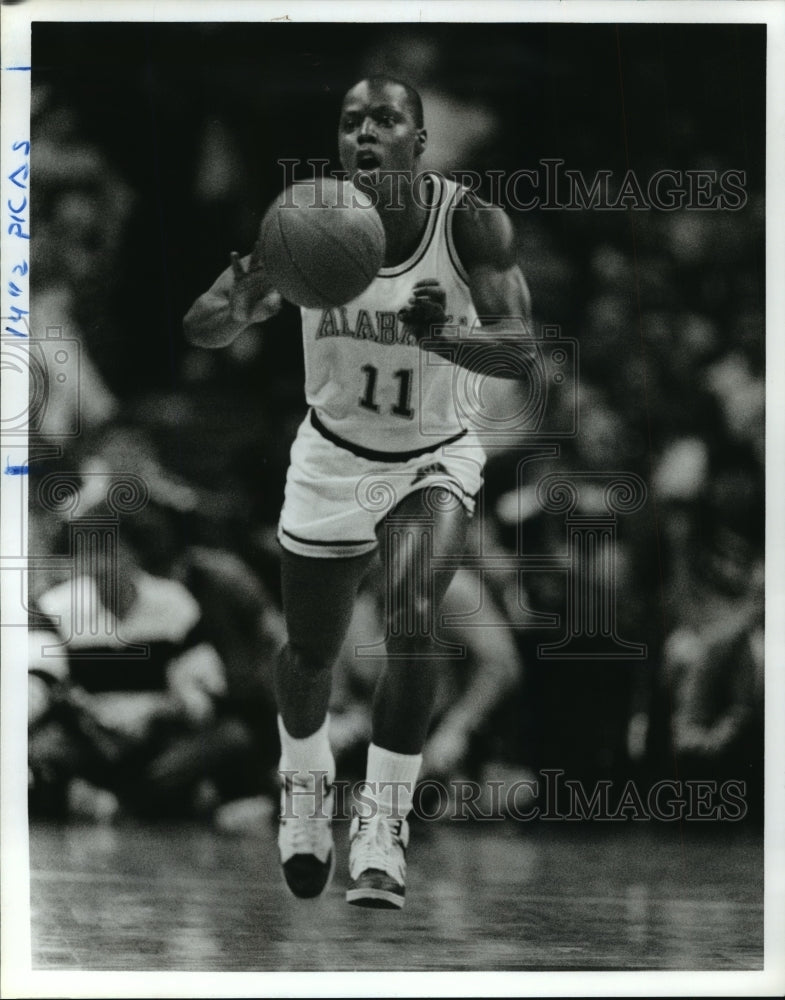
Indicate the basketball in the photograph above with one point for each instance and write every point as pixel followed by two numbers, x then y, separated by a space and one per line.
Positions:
pixel 321 243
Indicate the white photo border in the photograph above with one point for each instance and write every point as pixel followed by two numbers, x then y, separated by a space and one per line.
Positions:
pixel 18 979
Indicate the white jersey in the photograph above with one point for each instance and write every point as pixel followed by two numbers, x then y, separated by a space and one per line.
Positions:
pixel 366 378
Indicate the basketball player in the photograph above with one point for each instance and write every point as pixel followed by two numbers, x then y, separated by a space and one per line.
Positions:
pixel 382 424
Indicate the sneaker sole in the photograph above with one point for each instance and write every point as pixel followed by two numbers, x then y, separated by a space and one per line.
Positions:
pixel 375 899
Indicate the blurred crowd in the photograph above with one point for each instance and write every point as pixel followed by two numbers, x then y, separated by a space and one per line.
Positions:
pixel 150 649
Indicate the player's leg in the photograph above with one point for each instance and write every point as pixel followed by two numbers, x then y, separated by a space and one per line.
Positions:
pixel 318 596
pixel 318 599
pixel 405 692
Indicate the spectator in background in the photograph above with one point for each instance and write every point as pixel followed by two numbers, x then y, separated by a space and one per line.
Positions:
pixel 81 211
pixel 712 679
pixel 148 704
pixel 714 655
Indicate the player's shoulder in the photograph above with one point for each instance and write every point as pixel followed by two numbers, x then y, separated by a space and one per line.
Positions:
pixel 482 233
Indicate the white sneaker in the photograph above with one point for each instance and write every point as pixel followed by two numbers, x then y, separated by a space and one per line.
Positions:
pixel 377 862
pixel 305 839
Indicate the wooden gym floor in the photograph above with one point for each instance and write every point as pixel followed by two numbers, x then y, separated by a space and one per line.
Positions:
pixel 491 896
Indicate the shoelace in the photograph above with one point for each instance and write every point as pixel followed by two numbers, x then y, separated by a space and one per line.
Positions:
pixel 306 832
pixel 378 845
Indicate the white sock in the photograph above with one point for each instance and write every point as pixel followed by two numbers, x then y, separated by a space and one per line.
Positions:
pixel 391 777
pixel 310 754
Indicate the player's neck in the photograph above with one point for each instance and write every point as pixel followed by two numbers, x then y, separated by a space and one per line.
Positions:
pixel 404 224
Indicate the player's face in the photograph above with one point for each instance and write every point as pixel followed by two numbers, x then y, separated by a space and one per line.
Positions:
pixel 377 132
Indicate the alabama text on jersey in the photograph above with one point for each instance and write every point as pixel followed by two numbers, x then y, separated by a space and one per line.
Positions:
pixel 366 378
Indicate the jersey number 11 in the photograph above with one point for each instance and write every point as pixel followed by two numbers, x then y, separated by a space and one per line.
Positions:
pixel 402 407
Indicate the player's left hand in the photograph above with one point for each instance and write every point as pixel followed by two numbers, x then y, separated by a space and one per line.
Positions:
pixel 425 308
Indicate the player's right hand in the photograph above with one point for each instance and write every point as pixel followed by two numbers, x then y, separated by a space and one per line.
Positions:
pixel 251 299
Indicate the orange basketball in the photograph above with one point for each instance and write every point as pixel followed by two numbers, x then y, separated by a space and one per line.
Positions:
pixel 321 242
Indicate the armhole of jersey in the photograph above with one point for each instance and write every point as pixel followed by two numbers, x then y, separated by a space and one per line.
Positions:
pixel 455 260
pixel 427 238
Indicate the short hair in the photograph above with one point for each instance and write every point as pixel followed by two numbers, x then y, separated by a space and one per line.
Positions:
pixel 413 99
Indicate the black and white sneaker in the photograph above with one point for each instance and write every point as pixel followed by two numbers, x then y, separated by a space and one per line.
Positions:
pixel 305 839
pixel 377 862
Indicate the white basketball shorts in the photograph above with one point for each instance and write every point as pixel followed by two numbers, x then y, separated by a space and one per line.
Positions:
pixel 337 493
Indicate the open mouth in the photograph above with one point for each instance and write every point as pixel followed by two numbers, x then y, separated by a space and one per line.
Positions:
pixel 366 160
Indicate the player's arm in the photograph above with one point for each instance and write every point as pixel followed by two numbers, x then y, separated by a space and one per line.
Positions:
pixel 238 298
pixel 484 240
